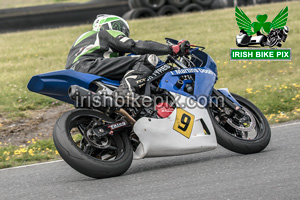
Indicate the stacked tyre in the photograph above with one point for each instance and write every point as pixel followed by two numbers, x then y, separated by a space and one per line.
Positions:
pixel 152 8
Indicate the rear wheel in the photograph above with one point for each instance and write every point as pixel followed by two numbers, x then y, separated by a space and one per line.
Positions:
pixel 248 134
pixel 97 157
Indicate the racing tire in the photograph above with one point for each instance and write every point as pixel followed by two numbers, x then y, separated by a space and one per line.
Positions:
pixel 139 13
pixel 203 2
pixel 152 4
pixel 78 159
pixel 218 4
pixel 127 15
pixel 263 1
pixel 245 2
pixel 179 3
pixel 239 145
pixel 134 4
pixel 230 3
pixel 168 10
pixel 193 7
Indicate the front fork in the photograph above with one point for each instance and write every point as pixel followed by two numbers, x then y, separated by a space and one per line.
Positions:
pixel 229 100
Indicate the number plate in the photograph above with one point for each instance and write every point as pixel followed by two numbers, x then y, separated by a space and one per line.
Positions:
pixel 184 122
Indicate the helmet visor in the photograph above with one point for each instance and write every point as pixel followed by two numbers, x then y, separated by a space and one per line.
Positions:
pixel 119 25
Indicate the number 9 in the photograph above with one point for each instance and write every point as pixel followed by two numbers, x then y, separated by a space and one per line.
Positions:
pixel 185 120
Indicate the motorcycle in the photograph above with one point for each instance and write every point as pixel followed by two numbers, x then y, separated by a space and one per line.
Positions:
pixel 183 114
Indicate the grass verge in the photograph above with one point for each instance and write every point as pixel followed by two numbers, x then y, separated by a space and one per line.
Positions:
pixel 35 151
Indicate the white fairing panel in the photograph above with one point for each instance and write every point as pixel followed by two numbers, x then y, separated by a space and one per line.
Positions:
pixel 161 137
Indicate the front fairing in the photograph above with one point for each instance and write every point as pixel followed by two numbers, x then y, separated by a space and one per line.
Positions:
pixel 203 60
pixel 204 73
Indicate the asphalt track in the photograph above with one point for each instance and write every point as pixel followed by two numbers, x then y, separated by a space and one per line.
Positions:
pixel 219 174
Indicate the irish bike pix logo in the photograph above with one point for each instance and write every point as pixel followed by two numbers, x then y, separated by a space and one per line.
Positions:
pixel 263 38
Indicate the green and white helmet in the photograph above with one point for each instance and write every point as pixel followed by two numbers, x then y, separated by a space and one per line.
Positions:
pixel 111 22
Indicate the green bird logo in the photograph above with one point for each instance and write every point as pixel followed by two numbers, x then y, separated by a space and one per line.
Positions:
pixel 261 25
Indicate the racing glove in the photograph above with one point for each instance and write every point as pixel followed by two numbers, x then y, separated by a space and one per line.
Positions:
pixel 182 48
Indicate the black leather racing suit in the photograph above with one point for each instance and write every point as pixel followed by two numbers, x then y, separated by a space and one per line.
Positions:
pixel 102 53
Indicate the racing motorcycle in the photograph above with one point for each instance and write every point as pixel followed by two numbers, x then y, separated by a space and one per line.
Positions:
pixel 183 114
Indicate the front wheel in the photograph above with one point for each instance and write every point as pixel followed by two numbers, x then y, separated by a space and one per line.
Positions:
pixel 96 157
pixel 246 135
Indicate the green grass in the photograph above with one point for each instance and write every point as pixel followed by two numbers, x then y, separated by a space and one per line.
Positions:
pixel 25 54
pixel 4 4
pixel 34 151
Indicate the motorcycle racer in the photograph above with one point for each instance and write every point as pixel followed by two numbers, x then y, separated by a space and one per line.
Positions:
pixel 110 137
pixel 101 52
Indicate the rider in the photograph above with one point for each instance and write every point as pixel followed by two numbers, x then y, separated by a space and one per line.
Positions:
pixel 101 52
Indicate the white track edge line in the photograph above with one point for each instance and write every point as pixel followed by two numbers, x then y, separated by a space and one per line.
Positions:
pixel 284 125
pixel 31 165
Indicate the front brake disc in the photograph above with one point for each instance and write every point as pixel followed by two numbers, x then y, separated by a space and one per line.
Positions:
pixel 241 127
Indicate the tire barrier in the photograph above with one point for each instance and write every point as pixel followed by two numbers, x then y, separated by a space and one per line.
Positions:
pixel 138 13
pixel 152 4
pixel 193 7
pixel 170 7
pixel 179 3
pixel 203 2
pixel 168 10
pixel 230 3
pixel 57 15
pixel 245 2
pixel 140 8
pixel 217 4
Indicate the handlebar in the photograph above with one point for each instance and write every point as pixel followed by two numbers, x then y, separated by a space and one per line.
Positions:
pixel 171 41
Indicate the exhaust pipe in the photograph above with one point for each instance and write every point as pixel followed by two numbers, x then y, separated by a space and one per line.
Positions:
pixel 87 98
pixel 90 99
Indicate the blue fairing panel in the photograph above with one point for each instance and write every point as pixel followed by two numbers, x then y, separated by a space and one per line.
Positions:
pixel 203 60
pixel 204 81
pixel 56 84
